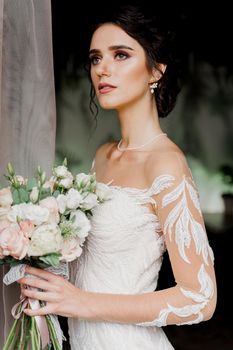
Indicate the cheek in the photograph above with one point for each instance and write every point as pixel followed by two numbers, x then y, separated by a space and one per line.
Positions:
pixel 135 78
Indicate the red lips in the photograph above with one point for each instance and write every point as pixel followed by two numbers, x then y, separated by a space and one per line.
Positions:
pixel 105 86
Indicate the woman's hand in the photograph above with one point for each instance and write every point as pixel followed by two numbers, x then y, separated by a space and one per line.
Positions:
pixel 61 297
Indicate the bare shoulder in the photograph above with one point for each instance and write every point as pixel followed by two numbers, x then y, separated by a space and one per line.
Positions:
pixel 103 151
pixel 168 158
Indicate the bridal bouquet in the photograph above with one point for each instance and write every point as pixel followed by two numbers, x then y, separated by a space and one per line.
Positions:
pixel 43 223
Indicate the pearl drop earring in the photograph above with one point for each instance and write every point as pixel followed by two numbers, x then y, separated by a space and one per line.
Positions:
pixel 153 86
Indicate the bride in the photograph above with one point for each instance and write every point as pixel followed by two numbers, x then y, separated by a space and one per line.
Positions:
pixel 154 206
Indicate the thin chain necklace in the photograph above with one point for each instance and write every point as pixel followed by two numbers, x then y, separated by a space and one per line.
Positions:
pixel 138 147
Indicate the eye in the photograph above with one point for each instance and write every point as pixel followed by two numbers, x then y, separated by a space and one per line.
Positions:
pixel 94 59
pixel 122 55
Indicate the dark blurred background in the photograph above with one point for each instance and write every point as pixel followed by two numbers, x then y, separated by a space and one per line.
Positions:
pixel 201 124
pixel 205 29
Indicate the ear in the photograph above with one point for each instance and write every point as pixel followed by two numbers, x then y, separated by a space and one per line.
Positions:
pixel 158 72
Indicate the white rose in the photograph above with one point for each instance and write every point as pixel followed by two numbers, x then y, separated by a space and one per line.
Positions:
pixel 36 214
pixel 80 223
pixel 34 194
pixel 51 204
pixel 103 192
pixel 66 182
pixel 5 197
pixel 73 199
pixel 85 182
pixel 16 212
pixel 71 249
pixel 82 179
pixel 64 177
pixel 45 239
pixel 61 171
pixel 61 201
pixel 29 211
pixel 89 201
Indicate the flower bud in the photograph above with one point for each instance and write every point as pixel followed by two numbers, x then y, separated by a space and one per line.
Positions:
pixel 43 177
pixel 10 169
pixel 65 162
pixel 39 171
pixel 34 195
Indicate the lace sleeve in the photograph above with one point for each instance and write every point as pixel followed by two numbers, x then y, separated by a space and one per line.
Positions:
pixel 193 298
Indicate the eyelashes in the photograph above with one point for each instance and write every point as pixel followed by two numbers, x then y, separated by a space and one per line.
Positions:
pixel 94 59
pixel 122 55
pixel 119 56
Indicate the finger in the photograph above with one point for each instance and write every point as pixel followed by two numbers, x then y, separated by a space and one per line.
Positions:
pixel 40 273
pixel 37 283
pixel 21 291
pixel 39 312
pixel 34 294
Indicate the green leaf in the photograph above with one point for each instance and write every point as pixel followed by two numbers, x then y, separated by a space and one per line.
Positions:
pixel 50 259
pixel 16 196
pixel 44 193
pixel 2 262
pixel 31 183
pixel 56 193
pixel 15 262
pixel 24 196
pixel 7 177
pixel 9 260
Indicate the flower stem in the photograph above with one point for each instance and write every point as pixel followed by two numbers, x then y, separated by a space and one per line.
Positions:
pixel 21 332
pixel 27 335
pixel 33 338
pixel 38 335
pixel 53 334
pixel 12 336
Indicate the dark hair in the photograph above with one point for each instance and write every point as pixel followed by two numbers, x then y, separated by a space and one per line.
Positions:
pixel 159 46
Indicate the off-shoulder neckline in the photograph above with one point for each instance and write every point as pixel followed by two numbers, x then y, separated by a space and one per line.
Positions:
pixel 145 189
pixel 109 184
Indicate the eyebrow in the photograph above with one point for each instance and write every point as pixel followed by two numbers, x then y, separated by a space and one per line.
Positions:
pixel 112 48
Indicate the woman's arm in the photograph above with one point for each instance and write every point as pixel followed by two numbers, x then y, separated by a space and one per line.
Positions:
pixel 192 300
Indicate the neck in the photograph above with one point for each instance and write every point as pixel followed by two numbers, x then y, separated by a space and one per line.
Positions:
pixel 138 124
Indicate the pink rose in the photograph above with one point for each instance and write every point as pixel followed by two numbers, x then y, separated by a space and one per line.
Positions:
pixel 50 203
pixel 71 249
pixel 26 227
pixel 13 242
pixel 4 222
pixel 20 179
pixel 5 197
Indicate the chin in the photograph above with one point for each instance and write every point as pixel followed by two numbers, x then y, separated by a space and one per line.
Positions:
pixel 107 104
pixel 112 104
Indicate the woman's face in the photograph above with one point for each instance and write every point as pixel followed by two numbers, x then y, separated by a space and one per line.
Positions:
pixel 118 68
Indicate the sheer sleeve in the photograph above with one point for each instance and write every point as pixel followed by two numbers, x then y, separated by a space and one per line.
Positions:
pixel 176 199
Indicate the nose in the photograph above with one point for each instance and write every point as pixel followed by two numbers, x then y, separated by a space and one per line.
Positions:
pixel 103 69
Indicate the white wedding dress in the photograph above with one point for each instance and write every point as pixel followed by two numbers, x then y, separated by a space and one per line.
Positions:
pixel 123 254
